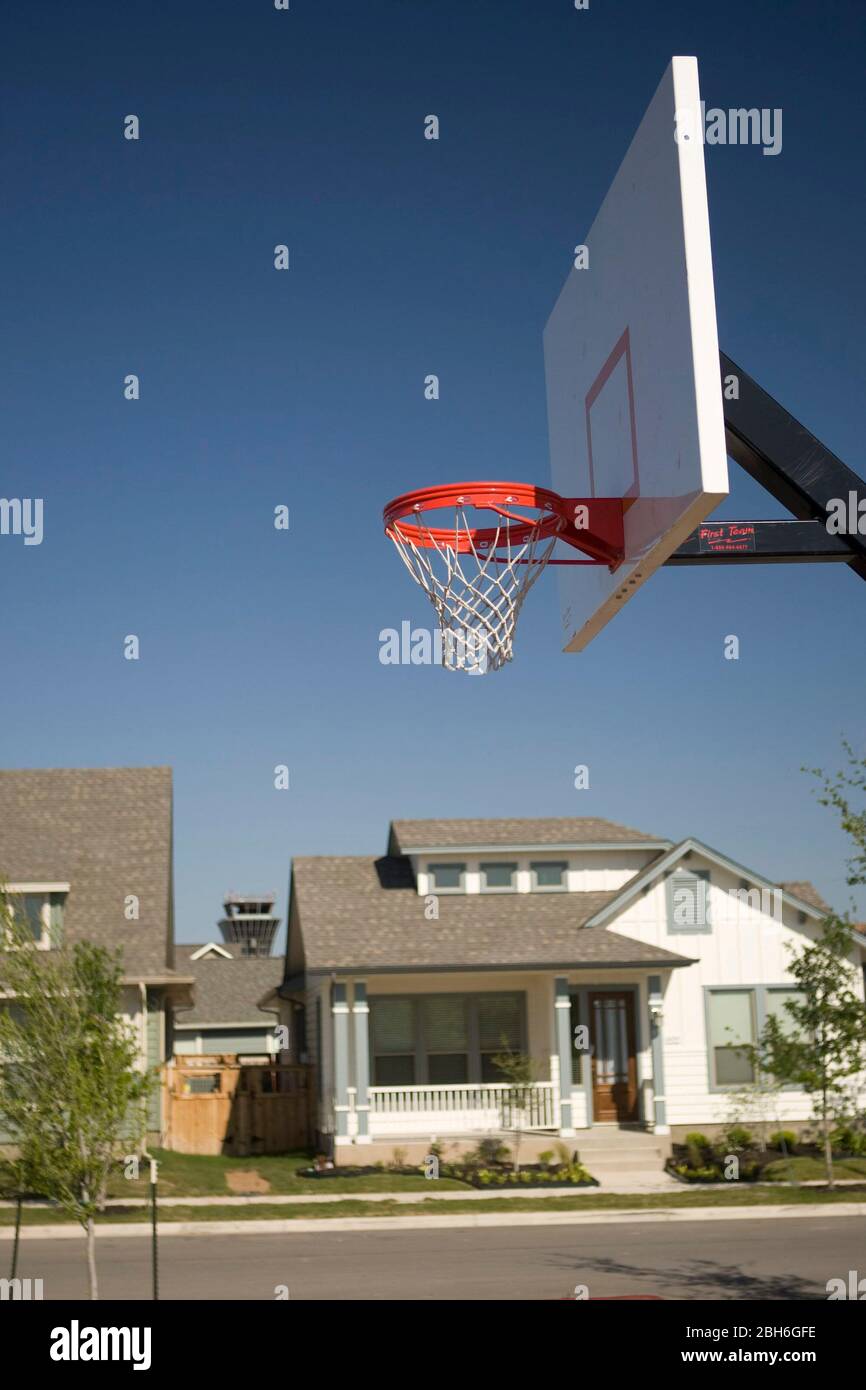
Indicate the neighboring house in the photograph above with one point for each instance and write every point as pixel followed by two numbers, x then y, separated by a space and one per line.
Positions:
pixel 88 854
pixel 230 979
pixel 406 975
pixel 226 1018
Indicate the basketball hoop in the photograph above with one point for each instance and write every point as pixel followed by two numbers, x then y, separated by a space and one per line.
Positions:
pixel 477 577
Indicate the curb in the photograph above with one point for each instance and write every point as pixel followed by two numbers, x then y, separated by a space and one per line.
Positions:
pixel 464 1220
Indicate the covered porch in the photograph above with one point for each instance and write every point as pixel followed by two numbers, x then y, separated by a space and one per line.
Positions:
pixel 414 1057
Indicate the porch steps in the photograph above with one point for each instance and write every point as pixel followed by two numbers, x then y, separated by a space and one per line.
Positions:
pixel 612 1154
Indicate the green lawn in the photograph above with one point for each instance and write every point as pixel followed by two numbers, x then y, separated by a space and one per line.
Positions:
pixel 744 1196
pixel 198 1175
pixel 803 1169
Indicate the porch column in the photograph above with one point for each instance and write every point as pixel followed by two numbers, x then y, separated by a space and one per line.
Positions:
pixel 562 1016
pixel 657 1045
pixel 340 1016
pixel 360 1016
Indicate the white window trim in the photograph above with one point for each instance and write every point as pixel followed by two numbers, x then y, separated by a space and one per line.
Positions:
pixel 433 887
pixel 18 890
pixel 484 864
pixel 536 887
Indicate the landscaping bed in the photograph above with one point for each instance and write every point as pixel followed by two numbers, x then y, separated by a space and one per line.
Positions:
pixel 474 1175
pixel 785 1158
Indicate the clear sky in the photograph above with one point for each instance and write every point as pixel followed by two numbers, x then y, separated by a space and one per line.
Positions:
pixel 305 388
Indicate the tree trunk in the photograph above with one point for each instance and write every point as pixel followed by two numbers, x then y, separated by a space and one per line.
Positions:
pixel 91 1258
pixel 828 1147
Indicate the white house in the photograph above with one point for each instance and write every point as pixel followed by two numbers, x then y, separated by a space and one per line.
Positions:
pixel 627 966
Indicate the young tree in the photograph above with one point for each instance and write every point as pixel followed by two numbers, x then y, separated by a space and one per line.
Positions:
pixel 71 1093
pixel 822 1043
pixel 519 1072
pixel 836 792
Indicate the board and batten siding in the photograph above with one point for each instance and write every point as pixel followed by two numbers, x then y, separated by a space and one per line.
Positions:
pixel 745 947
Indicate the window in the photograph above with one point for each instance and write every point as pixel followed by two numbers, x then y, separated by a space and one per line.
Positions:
pixel 730 1022
pixel 689 901
pixel 775 1007
pixel 446 1038
pixel 499 1030
pixel 394 1042
pixel 498 877
pixel 447 877
pixel 442 1039
pixel 40 910
pixel 548 874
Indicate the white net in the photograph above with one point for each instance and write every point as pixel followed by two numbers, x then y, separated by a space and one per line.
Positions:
pixel 477 588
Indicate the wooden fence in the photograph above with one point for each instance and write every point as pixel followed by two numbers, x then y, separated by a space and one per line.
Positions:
pixel 218 1105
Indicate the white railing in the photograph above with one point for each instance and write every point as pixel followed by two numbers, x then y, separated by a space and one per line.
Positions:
pixel 457 1109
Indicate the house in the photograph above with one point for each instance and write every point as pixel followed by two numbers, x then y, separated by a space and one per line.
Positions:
pixel 628 967
pixel 230 979
pixel 88 852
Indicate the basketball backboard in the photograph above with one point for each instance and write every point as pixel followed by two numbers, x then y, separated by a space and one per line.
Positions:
pixel 632 359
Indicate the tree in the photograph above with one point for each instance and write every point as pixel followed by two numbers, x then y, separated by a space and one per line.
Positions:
pixel 822 1043
pixel 836 792
pixel 71 1093
pixel 519 1072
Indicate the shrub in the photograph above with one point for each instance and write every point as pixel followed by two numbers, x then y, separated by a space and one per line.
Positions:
pixel 736 1138
pixel 490 1150
pixel 546 1157
pixel 784 1139
pixel 697 1140
pixel 848 1139
pixel 707 1173
pixel 398 1158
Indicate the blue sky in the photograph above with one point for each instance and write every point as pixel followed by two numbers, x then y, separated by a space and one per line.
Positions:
pixel 306 388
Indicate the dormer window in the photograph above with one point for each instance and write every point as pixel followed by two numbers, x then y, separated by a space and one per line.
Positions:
pixel 548 875
pixel 41 909
pixel 447 878
pixel 498 877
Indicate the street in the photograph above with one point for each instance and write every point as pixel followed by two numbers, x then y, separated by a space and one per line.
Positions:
pixel 736 1259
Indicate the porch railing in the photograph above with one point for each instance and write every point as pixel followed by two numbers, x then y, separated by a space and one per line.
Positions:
pixel 469 1107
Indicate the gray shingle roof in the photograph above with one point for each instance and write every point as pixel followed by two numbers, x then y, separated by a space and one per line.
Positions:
pixel 361 913
pixel 409 835
pixel 107 832
pixel 228 991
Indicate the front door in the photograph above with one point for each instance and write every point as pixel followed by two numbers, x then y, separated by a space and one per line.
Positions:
pixel 614 1060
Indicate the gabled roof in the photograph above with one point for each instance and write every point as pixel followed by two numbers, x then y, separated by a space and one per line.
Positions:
pixel 209 948
pixel 664 863
pixel 365 914
pixel 228 991
pixel 107 832
pixel 415 836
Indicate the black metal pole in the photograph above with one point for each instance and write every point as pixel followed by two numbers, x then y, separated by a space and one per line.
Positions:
pixel 154 1244
pixel 16 1238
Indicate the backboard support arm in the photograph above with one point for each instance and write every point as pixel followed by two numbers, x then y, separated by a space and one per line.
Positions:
pixel 797 470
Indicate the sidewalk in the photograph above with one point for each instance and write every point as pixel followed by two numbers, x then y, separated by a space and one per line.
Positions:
pixel 846 1210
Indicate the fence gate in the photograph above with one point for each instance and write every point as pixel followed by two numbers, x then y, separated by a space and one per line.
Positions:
pixel 217 1105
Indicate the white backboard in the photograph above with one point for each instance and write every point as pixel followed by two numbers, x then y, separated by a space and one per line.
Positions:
pixel 631 355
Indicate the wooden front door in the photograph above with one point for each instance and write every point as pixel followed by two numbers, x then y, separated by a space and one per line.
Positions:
pixel 614 1060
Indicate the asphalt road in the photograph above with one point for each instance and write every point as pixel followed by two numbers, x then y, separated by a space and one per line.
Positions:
pixel 725 1259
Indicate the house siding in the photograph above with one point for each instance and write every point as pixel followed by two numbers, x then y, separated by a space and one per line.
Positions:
pixel 745 947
